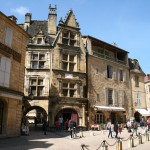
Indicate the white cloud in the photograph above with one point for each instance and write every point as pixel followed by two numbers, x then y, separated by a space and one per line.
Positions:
pixel 20 10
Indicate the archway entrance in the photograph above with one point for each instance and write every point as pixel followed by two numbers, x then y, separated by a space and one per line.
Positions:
pixel 35 115
pixel 67 114
pixel 1 115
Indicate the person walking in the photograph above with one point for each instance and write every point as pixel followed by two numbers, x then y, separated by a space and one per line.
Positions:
pixel 45 126
pixel 134 127
pixel 148 123
pixel 61 122
pixel 109 128
pixel 116 129
pixel 72 127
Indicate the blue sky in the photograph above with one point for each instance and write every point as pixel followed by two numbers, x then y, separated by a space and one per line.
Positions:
pixel 126 22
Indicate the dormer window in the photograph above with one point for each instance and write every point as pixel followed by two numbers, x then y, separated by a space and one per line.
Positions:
pixel 39 41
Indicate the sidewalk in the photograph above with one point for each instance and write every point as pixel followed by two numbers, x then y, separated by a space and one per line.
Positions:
pixel 61 141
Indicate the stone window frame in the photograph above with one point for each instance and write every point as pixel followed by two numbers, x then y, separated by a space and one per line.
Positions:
pixel 68 63
pixel 5 69
pixel 8 36
pixel 70 89
pixel 35 85
pixel 69 37
pixel 39 60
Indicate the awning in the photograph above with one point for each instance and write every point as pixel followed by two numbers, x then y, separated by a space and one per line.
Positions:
pixel 107 108
pixel 143 112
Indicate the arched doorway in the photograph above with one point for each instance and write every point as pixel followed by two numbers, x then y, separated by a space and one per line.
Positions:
pixel 67 114
pixel 1 115
pixel 35 115
pixel 137 116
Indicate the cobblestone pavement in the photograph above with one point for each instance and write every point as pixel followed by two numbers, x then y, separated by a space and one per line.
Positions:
pixel 61 141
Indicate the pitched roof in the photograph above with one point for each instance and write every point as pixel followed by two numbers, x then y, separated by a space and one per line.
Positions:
pixel 36 26
pixel 135 66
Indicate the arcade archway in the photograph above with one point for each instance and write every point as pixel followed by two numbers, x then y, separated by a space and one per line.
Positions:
pixel 36 113
pixel 67 114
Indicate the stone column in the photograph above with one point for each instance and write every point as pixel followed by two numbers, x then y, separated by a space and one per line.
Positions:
pixel 83 115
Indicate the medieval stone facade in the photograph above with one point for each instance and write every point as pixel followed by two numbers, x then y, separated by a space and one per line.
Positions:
pixel 138 100
pixel 74 76
pixel 13 41
pixel 108 82
pixel 56 68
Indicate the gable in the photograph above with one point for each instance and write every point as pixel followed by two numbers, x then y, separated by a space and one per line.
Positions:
pixel 71 21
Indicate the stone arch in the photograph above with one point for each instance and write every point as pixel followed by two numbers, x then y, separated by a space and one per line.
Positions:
pixel 68 113
pixel 42 114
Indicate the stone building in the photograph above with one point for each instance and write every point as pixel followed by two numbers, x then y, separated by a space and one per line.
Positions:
pixel 56 68
pixel 147 90
pixel 13 41
pixel 137 75
pixel 108 82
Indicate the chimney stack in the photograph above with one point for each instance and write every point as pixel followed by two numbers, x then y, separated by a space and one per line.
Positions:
pixel 28 17
pixel 13 18
pixel 52 20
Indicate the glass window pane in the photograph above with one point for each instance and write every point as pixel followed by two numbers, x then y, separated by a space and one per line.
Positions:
pixel 71 58
pixel 66 34
pixel 33 82
pixel 65 66
pixel 40 82
pixel 72 93
pixel 65 84
pixel 110 97
pixel 40 91
pixel 65 41
pixel 72 36
pixel 65 57
pixel 35 56
pixel 72 86
pixel 65 92
pixel 33 90
pixel 41 57
pixel 72 42
pixel 34 64
pixel 41 65
pixel 39 41
pixel 71 67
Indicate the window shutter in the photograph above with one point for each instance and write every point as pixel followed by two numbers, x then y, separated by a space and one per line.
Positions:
pixel 124 76
pixel 106 96
pixel 123 98
pixel 115 73
pixel 2 77
pixel 8 38
pixel 7 72
pixel 115 100
pixel 105 71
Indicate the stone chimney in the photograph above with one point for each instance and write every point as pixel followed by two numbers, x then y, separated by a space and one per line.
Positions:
pixel 13 18
pixel 52 20
pixel 28 17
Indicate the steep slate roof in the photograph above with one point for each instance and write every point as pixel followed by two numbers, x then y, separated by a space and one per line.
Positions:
pixel 134 66
pixel 36 26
